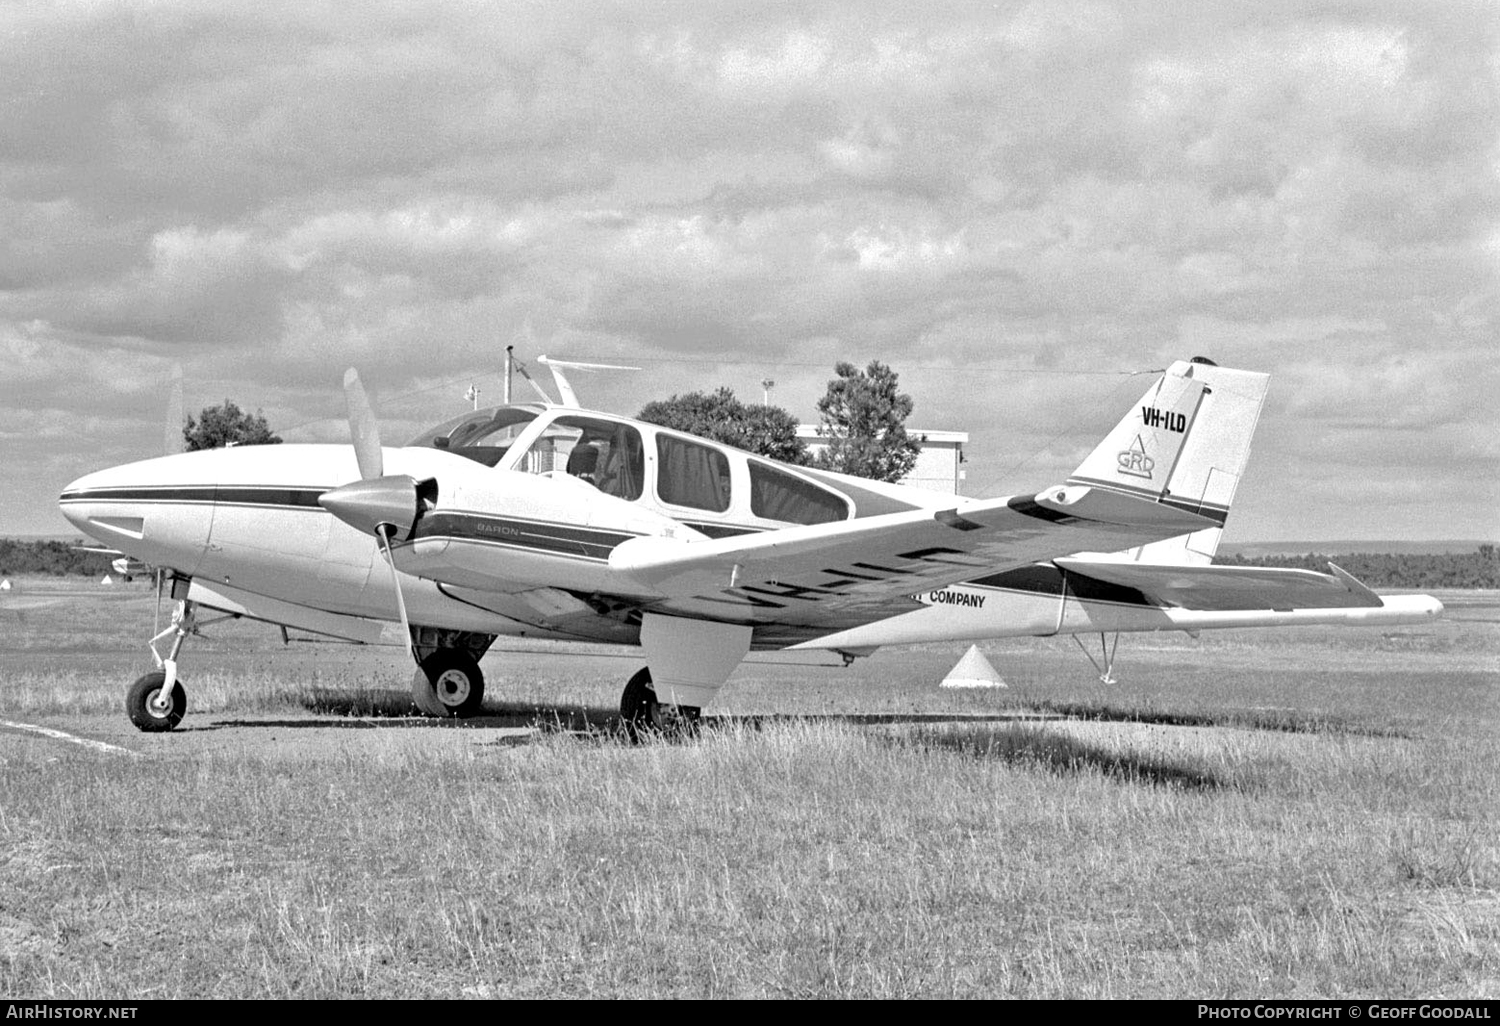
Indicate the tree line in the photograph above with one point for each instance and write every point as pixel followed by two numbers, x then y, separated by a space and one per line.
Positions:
pixel 1478 569
pixel 51 558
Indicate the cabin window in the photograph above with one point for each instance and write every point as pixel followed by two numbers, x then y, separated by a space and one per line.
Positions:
pixel 484 436
pixel 691 474
pixel 777 495
pixel 607 455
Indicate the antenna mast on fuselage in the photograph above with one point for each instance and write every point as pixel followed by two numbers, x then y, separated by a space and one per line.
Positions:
pixel 564 389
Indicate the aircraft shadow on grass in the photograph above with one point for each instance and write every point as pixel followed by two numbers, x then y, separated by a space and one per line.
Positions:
pixel 363 708
pixel 1012 737
pixel 1015 739
pixel 1062 755
pixel 378 709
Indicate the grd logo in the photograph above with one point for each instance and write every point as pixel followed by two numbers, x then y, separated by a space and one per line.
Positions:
pixel 1135 462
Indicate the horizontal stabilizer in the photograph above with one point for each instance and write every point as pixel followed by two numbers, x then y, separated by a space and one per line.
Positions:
pixel 1220 588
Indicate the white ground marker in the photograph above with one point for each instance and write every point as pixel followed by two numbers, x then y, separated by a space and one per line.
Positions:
pixel 973 671
pixel 62 735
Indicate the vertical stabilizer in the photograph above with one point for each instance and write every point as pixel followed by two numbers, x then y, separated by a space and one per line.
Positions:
pixel 1185 444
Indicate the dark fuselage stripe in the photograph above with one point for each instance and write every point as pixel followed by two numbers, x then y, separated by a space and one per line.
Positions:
pixel 529 534
pixel 720 530
pixel 229 495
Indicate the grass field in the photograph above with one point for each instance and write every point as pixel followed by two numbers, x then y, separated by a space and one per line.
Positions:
pixel 1293 813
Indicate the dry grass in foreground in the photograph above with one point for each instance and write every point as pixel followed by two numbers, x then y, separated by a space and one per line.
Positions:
pixel 798 859
pixel 1300 816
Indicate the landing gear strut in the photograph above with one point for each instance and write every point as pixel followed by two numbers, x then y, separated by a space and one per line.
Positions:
pixel 645 717
pixel 1106 652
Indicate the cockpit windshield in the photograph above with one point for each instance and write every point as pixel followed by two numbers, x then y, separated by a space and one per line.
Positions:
pixel 483 436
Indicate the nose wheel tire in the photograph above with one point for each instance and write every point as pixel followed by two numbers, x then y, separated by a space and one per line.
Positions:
pixel 448 683
pixel 152 710
pixel 645 717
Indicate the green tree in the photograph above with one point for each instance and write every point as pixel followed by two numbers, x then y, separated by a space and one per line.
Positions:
pixel 767 430
pixel 864 419
pixel 218 426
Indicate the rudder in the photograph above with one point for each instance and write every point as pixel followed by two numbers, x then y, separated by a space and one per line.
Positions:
pixel 1184 444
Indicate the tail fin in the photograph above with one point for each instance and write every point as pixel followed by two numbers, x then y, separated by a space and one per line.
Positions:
pixel 1185 444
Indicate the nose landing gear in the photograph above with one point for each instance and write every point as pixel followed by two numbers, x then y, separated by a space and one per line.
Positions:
pixel 152 706
pixel 157 701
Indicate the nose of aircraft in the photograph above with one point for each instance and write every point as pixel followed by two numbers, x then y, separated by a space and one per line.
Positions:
pixel 103 498
pixel 157 510
pixel 70 509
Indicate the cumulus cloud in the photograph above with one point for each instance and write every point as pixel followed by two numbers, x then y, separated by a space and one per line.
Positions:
pixel 973 194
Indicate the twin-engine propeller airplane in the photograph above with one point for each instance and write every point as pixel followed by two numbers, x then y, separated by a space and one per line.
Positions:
pixel 548 521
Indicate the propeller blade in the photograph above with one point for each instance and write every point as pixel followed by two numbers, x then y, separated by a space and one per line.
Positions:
pixel 384 534
pixel 156 624
pixel 173 443
pixel 363 431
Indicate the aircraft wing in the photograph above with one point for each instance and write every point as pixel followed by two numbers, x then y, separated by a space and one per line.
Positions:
pixel 1224 588
pixel 854 571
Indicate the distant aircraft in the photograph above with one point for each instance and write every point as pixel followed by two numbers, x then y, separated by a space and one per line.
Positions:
pixel 548 521
pixel 126 566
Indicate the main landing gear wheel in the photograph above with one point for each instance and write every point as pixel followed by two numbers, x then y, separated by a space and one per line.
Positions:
pixel 645 717
pixel 448 683
pixel 150 709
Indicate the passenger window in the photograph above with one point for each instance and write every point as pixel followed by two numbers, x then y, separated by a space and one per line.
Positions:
pixel 608 456
pixel 777 495
pixel 692 475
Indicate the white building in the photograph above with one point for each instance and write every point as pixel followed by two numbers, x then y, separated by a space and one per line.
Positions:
pixel 939 467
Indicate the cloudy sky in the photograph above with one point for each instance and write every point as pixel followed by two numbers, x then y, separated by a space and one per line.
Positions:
pixel 1014 205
